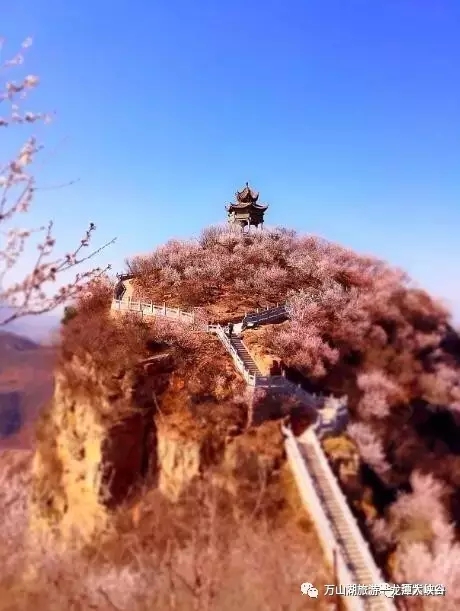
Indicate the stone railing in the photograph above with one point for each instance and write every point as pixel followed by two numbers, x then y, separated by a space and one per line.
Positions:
pixel 283 384
pixel 345 541
pixel 331 421
pixel 250 378
pixel 268 315
pixel 150 309
pixel 147 308
pixel 314 507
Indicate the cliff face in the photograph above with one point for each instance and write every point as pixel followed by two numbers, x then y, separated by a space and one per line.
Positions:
pixel 96 439
pixel 164 421
pixel 179 461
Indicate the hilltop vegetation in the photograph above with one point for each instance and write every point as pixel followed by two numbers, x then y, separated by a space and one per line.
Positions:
pixel 231 539
pixel 357 327
pixel 160 556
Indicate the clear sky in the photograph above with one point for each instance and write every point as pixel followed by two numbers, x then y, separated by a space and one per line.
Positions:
pixel 343 113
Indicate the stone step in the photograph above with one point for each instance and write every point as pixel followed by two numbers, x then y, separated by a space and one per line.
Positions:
pixel 349 545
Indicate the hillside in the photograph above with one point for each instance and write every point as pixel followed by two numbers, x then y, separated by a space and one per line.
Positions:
pixel 150 417
pixel 26 383
pixel 148 423
pixel 39 329
pixel 11 345
pixel 357 327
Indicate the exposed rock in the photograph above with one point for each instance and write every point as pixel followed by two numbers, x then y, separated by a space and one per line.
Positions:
pixel 251 467
pixel 95 440
pixel 179 461
pixel 166 419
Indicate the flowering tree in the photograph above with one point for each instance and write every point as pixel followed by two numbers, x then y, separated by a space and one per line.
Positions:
pixel 36 293
pixel 379 392
pixel 370 447
pixel 419 530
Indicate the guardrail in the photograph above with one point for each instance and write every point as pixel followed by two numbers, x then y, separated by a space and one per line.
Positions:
pixel 251 379
pixel 311 438
pixel 273 314
pixel 355 548
pixel 147 308
pixel 331 424
pixel 313 505
pixel 282 383
pixel 346 573
pixel 150 309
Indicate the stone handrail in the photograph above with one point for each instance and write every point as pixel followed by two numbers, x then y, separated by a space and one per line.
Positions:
pixel 282 383
pixel 314 506
pixel 150 309
pixel 251 379
pixel 310 437
pixel 264 316
pixel 147 308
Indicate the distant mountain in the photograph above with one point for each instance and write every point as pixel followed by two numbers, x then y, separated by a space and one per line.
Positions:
pixel 12 343
pixel 10 413
pixel 38 328
pixel 26 384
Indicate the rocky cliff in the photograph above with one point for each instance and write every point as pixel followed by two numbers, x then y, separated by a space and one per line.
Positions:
pixel 165 418
pixel 93 445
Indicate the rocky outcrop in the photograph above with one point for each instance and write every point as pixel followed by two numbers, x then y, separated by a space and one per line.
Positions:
pixel 251 470
pixel 163 420
pixel 96 440
pixel 179 462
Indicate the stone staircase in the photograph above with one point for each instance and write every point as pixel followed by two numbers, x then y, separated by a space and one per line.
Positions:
pixel 244 355
pixel 353 547
pixel 317 484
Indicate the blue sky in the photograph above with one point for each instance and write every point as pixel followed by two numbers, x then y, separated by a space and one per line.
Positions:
pixel 343 113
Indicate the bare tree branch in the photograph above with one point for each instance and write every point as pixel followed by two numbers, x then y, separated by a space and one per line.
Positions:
pixel 34 294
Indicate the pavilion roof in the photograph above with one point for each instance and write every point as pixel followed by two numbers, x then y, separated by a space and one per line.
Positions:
pixel 246 207
pixel 247 195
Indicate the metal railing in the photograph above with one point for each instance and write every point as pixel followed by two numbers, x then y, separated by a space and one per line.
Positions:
pixel 276 313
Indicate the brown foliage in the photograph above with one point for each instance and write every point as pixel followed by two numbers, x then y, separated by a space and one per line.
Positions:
pixel 223 270
pixel 117 344
pixel 357 327
pixel 175 558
